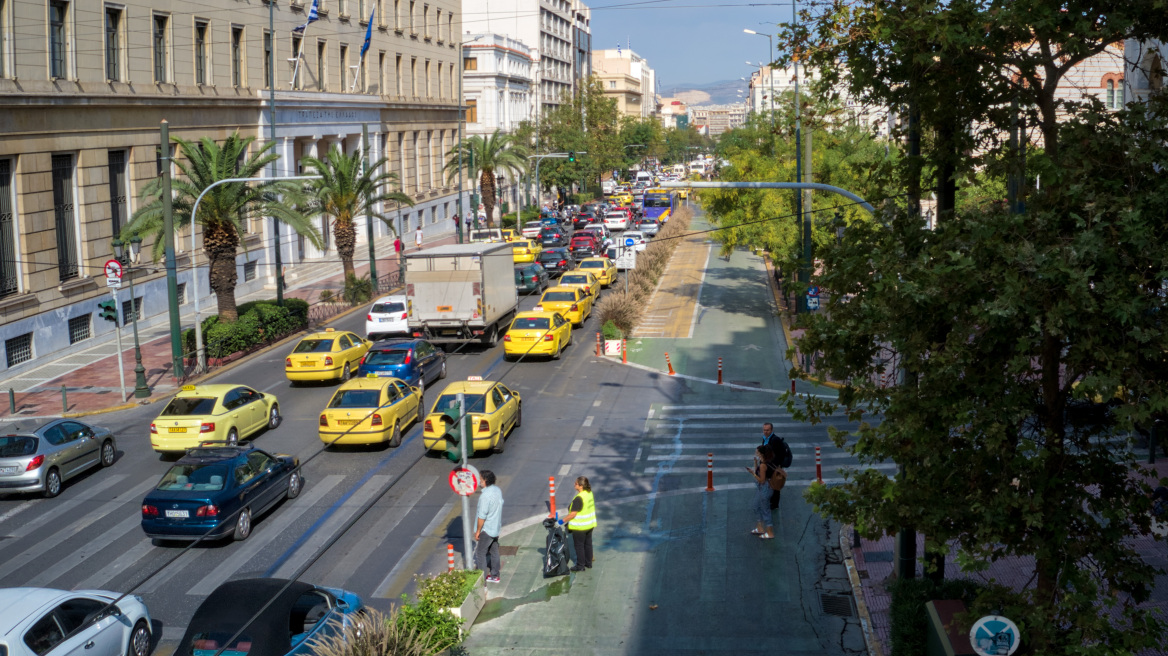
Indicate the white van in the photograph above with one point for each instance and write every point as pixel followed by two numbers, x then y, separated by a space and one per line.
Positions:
pixel 644 176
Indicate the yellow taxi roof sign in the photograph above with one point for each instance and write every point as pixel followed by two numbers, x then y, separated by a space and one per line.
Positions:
pixel 538 308
pixel 329 330
pixel 474 377
pixel 371 375
pixel 188 388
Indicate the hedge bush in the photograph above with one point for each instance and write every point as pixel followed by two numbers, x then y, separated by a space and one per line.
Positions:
pixel 626 308
pixel 258 322
pixel 908 618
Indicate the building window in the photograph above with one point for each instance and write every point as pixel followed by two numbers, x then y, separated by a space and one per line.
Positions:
pixel 472 111
pixel 470 64
pixel 79 328
pixel 612 84
pixel 113 44
pixel 5 37
pixel 426 21
pixel 417 164
pixel 237 56
pixel 182 293
pixel 131 311
pixel 249 271
pixel 160 48
pixel 413 76
pixel 117 189
pixel 9 271
pixel 296 43
pixel 397 72
pixel 397 15
pixel 65 216
pixel 18 349
pixel 200 53
pixel 267 60
pixel 450 25
pixel 381 73
pixel 321 65
pixel 430 159
pixel 429 93
pixel 344 68
pixel 438 24
pixel 412 30
pixel 57 44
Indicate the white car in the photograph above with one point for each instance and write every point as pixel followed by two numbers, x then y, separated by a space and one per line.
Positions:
pixel 638 237
pixel 531 229
pixel 48 622
pixel 616 220
pixel 388 316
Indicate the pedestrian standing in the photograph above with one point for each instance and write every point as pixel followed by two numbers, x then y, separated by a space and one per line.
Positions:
pixel 779 451
pixel 418 237
pixel 397 244
pixel 581 520
pixel 762 470
pixel 489 514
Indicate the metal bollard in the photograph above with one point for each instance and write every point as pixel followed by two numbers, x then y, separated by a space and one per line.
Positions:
pixel 624 351
pixel 818 466
pixel 709 472
pixel 599 349
pixel 792 387
pixel 552 495
pixel 450 557
pixel 11 400
pixel 64 400
pixel 670 365
pixel 719 371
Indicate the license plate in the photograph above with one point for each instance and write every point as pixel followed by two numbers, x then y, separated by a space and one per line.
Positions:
pixel 348 422
pixel 178 513
pixel 176 430
pixel 527 339
pixel 307 364
pixel 385 319
pixel 9 470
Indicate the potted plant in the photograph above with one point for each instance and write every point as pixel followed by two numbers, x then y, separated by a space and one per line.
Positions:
pixel 461 593
pixel 612 338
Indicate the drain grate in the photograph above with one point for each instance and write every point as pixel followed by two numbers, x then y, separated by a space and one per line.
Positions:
pixel 839 605
pixel 509 550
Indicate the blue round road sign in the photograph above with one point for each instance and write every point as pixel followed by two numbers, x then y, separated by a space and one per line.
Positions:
pixel 629 241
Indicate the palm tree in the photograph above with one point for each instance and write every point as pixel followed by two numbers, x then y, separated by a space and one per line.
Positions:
pixel 484 156
pixel 225 210
pixel 345 192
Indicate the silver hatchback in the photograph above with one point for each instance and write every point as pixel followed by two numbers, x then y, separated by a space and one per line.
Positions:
pixel 38 455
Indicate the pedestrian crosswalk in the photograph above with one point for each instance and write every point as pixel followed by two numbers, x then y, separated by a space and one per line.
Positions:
pixel 678 439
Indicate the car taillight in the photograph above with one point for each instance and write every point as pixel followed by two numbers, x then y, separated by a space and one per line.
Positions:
pixel 429 426
pixel 369 317
pixel 207 427
pixel 149 511
pixel 484 426
pixel 376 420
pixel 587 290
pixel 153 428
pixel 563 263
pixel 574 308
pixel 409 357
pixel 287 362
pixel 35 463
pixel 548 338
pixel 535 279
pixel 405 315
pixel 328 360
pixel 324 421
pixel 207 511
pixel 363 359
pixel 507 337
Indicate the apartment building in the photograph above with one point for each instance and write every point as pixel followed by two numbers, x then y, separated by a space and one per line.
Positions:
pixel 85 86
pixel 628 79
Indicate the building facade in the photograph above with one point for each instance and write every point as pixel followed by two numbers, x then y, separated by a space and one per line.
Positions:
pixel 628 79
pixel 1144 73
pixel 713 120
pixel 86 85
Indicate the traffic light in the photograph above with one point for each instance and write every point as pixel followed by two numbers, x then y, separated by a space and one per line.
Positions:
pixel 572 156
pixel 109 310
pixel 453 434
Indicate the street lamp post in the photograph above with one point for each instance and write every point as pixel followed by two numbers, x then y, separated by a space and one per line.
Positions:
pixel 770 72
pixel 540 158
pixel 141 389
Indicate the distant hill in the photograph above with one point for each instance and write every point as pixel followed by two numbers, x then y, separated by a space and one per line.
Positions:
pixel 712 93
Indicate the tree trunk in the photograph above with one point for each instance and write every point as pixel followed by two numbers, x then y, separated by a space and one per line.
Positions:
pixel 345 234
pixel 487 182
pixel 219 242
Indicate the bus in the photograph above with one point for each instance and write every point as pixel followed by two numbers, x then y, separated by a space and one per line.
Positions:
pixel 659 204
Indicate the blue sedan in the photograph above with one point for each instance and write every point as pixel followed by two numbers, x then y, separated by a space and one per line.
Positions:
pixel 217 490
pixel 416 361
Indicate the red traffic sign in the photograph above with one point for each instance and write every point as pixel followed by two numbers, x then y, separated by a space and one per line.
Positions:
pixel 113 269
pixel 465 481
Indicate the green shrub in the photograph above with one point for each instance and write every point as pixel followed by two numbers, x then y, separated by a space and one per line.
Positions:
pixel 449 588
pixel 908 618
pixel 610 330
pixel 373 633
pixel 621 309
pixel 298 307
pixel 326 296
pixel 428 619
pixel 358 290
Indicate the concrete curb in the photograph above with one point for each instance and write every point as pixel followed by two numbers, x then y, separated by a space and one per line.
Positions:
pixel 870 639
pixel 711 381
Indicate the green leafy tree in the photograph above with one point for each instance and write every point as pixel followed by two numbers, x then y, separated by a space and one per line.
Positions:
pixel 226 209
pixel 590 124
pixel 484 156
pixel 345 191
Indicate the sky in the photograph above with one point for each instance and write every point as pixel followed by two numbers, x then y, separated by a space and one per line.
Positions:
pixel 689 41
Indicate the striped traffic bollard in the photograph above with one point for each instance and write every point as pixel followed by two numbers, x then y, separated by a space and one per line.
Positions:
pixel 719 371
pixel 624 351
pixel 450 557
pixel 599 352
pixel 792 387
pixel 709 472
pixel 670 365
pixel 552 495
pixel 818 465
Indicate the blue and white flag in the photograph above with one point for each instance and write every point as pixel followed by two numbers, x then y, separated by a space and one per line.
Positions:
pixel 312 18
pixel 368 33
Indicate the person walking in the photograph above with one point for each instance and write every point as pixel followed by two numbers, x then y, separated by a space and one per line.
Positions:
pixel 763 468
pixel 581 520
pixel 489 514
pixel 418 237
pixel 397 244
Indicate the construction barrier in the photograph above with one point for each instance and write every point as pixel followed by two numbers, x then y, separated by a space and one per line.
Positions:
pixel 670 365
pixel 709 472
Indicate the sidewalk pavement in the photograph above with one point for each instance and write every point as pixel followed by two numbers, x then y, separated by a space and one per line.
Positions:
pixel 90 377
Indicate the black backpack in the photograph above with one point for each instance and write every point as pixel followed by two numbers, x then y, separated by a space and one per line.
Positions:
pixel 782 452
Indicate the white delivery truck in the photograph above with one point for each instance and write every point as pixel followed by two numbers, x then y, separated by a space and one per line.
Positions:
pixel 461 292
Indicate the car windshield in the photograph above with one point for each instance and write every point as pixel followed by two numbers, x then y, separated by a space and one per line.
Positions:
pixel 594 264
pixel 314 346
pixel 559 296
pixel 197 478
pixel 189 405
pixel 397 356
pixel 581 241
pixel 530 323
pixel 15 446
pixel 209 644
pixel 474 402
pixel 574 280
pixel 387 308
pixel 356 398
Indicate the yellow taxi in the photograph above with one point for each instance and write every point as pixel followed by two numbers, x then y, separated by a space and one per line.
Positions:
pixel 510 234
pixel 370 410
pixel 537 333
pixel 601 267
pixel 492 410
pixel 585 280
pixel 525 250
pixel 572 302
pixel 325 355
pixel 212 413
pixel 683 193
pixel 623 199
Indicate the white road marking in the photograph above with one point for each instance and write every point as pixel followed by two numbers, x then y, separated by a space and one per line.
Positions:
pixel 101 578
pixel 886 466
pixel 837 455
pixel 576 445
pixel 20 508
pixel 652 411
pixel 565 469
pixel 639 451
pixel 62 507
pixel 273 386
pixel 587 421
pixel 596 403
pixel 385 584
pixel 78 558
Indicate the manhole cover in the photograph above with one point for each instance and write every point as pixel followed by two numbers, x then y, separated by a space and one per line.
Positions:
pixel 508 550
pixel 836 604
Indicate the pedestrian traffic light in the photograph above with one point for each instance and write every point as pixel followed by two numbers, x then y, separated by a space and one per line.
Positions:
pixel 109 310
pixel 572 156
pixel 453 435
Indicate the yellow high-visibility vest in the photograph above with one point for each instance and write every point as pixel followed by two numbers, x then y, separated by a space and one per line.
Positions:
pixel 586 518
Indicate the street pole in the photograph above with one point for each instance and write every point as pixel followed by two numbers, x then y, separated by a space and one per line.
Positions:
pixel 467 547
pixel 805 269
pixel 118 338
pixel 168 251
pixel 141 389
pixel 272 135
pixel 461 118
pixel 771 74
pixel 369 213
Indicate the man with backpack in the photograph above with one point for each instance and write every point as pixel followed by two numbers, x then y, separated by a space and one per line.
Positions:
pixel 782 455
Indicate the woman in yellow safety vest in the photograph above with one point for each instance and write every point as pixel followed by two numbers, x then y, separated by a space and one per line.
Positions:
pixel 581 520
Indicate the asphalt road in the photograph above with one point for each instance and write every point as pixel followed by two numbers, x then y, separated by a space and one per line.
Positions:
pixel 89 537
